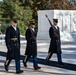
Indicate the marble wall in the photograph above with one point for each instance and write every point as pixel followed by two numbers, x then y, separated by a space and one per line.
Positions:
pixel 67 20
pixel 67 23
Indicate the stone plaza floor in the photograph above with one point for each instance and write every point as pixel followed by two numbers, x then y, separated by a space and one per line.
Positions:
pixel 68 56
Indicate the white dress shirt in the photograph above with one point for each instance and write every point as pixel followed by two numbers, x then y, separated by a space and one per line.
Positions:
pixel 33 29
pixel 14 27
pixel 56 27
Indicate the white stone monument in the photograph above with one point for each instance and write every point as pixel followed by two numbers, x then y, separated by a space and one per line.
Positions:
pixel 67 24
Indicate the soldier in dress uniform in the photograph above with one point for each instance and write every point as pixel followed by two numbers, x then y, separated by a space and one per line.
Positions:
pixel 55 43
pixel 12 40
pixel 31 49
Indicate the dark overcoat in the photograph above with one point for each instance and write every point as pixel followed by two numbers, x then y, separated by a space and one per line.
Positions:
pixel 55 43
pixel 13 46
pixel 31 48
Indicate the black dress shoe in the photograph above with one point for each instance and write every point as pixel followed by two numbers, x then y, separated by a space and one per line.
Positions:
pixel 36 68
pixel 6 67
pixel 24 63
pixel 61 63
pixel 19 72
pixel 47 60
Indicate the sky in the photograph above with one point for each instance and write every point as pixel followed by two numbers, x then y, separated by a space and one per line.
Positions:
pixel 1 0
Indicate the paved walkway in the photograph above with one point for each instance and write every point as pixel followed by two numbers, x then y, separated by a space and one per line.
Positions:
pixel 69 56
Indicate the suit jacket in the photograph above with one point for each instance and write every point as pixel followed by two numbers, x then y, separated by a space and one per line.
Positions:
pixel 13 46
pixel 55 43
pixel 31 48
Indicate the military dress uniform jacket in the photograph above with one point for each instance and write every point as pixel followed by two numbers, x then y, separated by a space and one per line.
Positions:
pixel 55 43
pixel 12 40
pixel 31 48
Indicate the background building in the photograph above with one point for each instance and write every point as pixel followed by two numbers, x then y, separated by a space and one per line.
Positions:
pixel 67 24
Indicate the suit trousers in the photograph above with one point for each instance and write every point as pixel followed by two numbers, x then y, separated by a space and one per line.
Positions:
pixel 17 63
pixel 58 57
pixel 35 62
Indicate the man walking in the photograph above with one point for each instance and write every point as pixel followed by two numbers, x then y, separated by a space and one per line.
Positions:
pixel 31 49
pixel 55 43
pixel 13 45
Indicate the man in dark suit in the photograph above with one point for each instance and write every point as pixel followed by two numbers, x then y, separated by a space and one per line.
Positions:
pixel 31 49
pixel 12 40
pixel 55 43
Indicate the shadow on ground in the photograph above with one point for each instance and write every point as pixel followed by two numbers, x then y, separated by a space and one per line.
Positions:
pixel 52 63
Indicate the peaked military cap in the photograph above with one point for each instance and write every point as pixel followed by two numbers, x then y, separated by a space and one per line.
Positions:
pixel 15 21
pixel 55 20
pixel 33 23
